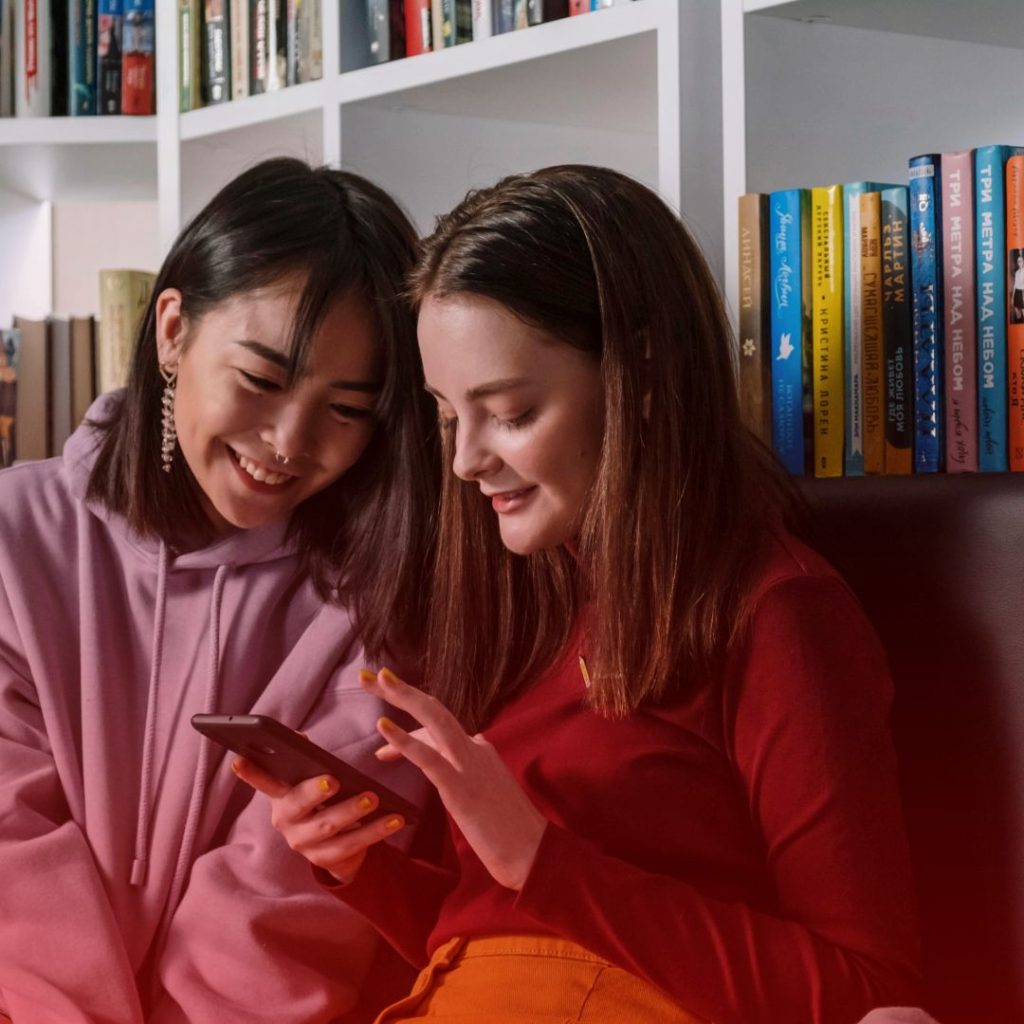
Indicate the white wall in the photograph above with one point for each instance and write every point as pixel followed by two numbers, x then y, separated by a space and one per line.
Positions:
pixel 88 237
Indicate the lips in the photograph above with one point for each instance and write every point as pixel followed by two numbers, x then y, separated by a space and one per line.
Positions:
pixel 505 502
pixel 259 477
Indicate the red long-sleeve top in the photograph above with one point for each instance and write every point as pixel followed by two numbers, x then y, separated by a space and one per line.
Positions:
pixel 741 847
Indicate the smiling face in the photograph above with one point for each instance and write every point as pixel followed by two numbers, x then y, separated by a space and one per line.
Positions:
pixel 234 412
pixel 527 411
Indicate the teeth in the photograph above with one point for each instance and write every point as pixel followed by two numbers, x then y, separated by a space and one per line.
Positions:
pixel 257 472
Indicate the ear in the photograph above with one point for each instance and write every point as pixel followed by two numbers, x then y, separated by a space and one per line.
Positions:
pixel 170 327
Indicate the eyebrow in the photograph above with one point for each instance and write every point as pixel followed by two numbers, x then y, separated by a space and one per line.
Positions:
pixel 493 387
pixel 272 355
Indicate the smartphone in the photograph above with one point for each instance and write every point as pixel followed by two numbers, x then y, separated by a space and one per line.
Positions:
pixel 292 758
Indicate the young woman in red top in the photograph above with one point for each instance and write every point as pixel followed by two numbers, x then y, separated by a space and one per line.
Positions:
pixel 659 723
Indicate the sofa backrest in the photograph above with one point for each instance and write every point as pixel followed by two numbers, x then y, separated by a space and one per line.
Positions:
pixel 938 563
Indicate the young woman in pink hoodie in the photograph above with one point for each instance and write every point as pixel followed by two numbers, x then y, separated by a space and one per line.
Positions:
pixel 233 533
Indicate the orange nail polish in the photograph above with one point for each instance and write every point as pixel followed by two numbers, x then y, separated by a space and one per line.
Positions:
pixel 365 803
pixel 387 725
pixel 325 785
pixel 389 676
pixel 392 823
pixel 366 676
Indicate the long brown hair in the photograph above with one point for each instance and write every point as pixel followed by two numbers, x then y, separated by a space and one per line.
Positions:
pixel 678 513
pixel 367 540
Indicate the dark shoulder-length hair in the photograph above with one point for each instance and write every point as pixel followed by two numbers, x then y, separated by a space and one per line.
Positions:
pixel 676 518
pixel 367 539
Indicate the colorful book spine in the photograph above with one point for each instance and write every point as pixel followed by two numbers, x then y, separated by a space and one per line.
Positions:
pixel 33 79
pixel 110 55
pixel 925 272
pixel 853 397
pixel 456 22
pixel 960 356
pixel 387 30
pixel 216 47
pixel 755 339
pixel 990 301
pixel 871 322
pixel 540 11
pixel 578 7
pixel 789 269
pixel 10 348
pixel 827 338
pixel 896 333
pixel 1015 313
pixel 138 66
pixel 417 27
pixel 82 51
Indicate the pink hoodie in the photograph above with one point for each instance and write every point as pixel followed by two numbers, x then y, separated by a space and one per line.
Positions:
pixel 138 880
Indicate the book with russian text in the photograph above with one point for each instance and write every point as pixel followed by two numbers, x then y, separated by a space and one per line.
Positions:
pixel 991 303
pixel 789 225
pixel 870 255
pixel 1014 285
pixel 958 328
pixel 853 397
pixel 897 333
pixel 926 274
pixel 754 338
pixel 827 330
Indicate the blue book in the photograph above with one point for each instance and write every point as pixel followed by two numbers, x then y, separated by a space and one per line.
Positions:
pixel 82 57
pixel 990 299
pixel 789 264
pixel 926 273
pixel 853 448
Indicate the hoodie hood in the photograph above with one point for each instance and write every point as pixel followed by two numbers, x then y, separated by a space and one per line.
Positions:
pixel 241 547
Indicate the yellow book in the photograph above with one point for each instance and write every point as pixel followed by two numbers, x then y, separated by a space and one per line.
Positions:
pixel 827 328
pixel 872 350
pixel 124 295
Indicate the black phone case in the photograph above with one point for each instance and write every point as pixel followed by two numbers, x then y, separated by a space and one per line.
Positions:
pixel 292 758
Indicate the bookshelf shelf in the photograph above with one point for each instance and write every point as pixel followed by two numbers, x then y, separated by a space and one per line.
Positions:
pixel 253 110
pixel 989 22
pixel 76 131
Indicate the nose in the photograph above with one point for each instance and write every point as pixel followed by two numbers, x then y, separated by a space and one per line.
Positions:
pixel 473 459
pixel 292 432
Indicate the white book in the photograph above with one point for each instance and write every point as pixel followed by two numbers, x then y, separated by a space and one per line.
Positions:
pixel 483 19
pixel 7 58
pixel 239 16
pixel 32 58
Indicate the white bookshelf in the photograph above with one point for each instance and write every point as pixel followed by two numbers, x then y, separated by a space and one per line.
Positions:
pixel 632 87
pixel 823 91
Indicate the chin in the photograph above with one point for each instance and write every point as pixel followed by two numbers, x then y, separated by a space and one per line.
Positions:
pixel 529 542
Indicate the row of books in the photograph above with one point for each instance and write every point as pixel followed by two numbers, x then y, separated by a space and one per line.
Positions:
pixel 52 369
pixel 230 49
pixel 77 57
pixel 882 326
pixel 406 28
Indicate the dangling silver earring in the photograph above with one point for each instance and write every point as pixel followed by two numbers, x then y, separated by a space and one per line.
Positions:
pixel 168 433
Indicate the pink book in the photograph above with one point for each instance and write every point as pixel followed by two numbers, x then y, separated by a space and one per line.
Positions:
pixel 961 369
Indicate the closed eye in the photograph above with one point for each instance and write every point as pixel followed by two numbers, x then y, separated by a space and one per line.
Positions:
pixel 352 412
pixel 262 383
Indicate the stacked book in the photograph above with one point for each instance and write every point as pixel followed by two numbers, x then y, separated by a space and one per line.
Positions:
pixel 52 369
pixel 882 325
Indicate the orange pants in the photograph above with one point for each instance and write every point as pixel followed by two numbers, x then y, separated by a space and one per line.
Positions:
pixel 529 979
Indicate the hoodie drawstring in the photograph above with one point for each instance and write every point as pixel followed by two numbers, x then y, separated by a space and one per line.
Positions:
pixel 142 836
pixel 140 863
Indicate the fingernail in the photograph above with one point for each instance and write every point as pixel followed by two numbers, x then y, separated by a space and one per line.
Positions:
pixel 365 802
pixel 366 676
pixel 325 785
pixel 392 823
pixel 235 765
pixel 389 676
pixel 387 725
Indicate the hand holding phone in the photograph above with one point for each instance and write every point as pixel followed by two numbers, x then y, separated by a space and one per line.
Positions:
pixel 331 825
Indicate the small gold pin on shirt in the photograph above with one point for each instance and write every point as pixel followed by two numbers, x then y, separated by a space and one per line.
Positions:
pixel 584 672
